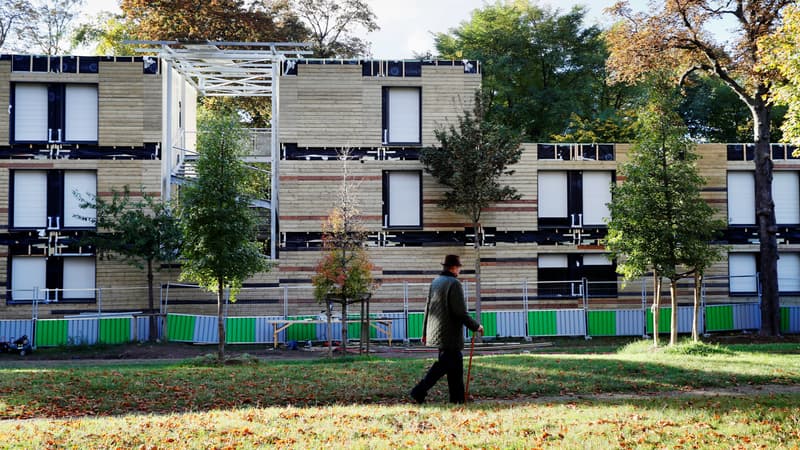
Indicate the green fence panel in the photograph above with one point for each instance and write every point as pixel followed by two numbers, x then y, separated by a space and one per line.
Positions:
pixel 542 323
pixel 180 327
pixel 354 328
pixel 489 322
pixel 785 321
pixel 719 318
pixel 114 331
pixel 415 321
pixel 602 323
pixel 51 333
pixel 302 331
pixel 664 320
pixel 240 330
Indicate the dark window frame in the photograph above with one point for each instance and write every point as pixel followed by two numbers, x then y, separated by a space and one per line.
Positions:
pixel 385 107
pixel 387 207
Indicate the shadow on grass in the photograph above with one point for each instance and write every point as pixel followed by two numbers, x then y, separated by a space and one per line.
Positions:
pixel 175 388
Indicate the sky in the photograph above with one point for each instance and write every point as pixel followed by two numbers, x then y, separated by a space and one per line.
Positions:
pixel 406 25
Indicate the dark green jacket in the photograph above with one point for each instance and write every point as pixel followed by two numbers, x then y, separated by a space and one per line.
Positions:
pixel 446 314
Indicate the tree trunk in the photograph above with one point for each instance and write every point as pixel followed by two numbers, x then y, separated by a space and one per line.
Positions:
pixel 329 313
pixel 477 244
pixel 696 309
pixel 220 321
pixel 673 326
pixel 656 305
pixel 765 216
pixel 151 302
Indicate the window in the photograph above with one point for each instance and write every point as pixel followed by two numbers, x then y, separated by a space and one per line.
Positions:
pixel 786 195
pixel 45 199
pixel 402 116
pixel 741 198
pixel 742 273
pixel 574 198
pixel 61 113
pixel 743 267
pixel 69 278
pixel 561 275
pixel 789 273
pixel 402 199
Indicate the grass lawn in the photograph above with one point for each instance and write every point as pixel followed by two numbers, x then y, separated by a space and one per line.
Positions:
pixel 568 400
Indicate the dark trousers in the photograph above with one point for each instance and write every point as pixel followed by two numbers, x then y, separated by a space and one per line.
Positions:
pixel 450 363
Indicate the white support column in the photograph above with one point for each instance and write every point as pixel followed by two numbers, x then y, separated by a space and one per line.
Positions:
pixel 275 153
pixel 166 145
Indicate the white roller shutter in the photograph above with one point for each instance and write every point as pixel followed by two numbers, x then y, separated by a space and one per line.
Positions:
pixel 85 183
pixel 786 194
pixel 552 261
pixel 741 198
pixel 30 199
pixel 30 113
pixel 596 197
pixel 80 113
pixel 595 259
pixel 404 120
pixel 78 277
pixel 742 270
pixel 404 198
pixel 552 194
pixel 789 272
pixel 27 273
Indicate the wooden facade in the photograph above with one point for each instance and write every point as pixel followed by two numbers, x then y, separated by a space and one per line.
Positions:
pixel 538 249
pixel 104 131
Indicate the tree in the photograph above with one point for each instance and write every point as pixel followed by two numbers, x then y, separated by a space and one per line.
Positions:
pixel 659 221
pixel 781 52
pixel 543 67
pixel 222 20
pixel 470 160
pixel 47 25
pixel 674 37
pixel 332 23
pixel 107 32
pixel 142 231
pixel 218 226
pixel 12 15
pixel 343 274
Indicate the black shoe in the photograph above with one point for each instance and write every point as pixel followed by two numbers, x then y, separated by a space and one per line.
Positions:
pixel 420 399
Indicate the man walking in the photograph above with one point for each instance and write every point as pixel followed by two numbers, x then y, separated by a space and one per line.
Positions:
pixel 445 315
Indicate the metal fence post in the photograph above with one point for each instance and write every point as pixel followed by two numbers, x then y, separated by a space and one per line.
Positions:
pixel 406 340
pixel 702 319
pixel 585 295
pixel 525 308
pixel 286 302
pixel 99 302
pixel 644 307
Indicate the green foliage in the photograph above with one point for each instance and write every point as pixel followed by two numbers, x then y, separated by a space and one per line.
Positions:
pixel 107 32
pixel 541 66
pixel 781 51
pixel 218 225
pixel 141 230
pixel 688 347
pixel 470 160
pixel 659 221
pixel 332 23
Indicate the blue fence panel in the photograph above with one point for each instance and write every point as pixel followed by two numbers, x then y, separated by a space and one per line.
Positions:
pixel 511 323
pixel 571 322
pixel 265 329
pixel 13 329
pixel 205 330
pixel 82 331
pixel 630 322
pixel 746 316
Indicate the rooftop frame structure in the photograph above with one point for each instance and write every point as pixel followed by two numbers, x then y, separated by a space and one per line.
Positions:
pixel 226 69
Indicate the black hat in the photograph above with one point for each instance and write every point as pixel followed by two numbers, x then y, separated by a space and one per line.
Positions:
pixel 452 261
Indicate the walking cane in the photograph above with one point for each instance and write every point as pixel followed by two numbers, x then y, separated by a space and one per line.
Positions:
pixel 469 367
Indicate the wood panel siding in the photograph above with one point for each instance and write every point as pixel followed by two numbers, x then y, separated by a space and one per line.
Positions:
pixel 335 106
